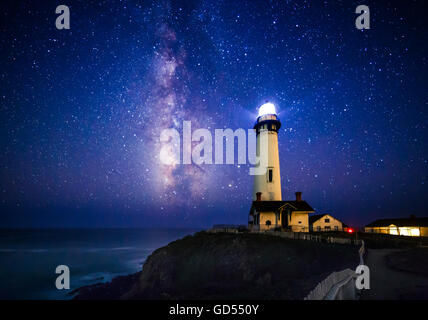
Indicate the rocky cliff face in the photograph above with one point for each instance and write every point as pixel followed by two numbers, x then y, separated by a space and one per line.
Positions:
pixel 230 266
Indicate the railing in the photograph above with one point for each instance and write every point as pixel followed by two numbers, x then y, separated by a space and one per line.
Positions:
pixel 230 228
pixel 292 235
pixel 329 288
pixel 338 285
pixel 285 234
pixel 309 236
pixel 362 251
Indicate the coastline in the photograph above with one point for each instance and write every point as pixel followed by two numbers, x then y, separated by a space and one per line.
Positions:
pixel 228 266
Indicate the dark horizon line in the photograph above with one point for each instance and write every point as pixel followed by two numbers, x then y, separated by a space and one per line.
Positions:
pixel 93 228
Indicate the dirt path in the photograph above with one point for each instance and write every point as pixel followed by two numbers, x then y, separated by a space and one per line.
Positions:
pixel 387 283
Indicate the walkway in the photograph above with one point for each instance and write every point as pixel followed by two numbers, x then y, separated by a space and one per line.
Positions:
pixel 387 283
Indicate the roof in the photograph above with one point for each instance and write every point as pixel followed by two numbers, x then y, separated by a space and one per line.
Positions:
pixel 316 217
pixel 263 206
pixel 400 222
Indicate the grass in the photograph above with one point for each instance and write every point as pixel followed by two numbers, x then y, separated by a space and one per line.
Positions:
pixel 244 266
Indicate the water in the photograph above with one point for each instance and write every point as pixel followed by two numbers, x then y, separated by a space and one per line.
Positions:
pixel 28 258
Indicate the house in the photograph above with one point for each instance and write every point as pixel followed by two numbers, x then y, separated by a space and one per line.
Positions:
pixel 288 215
pixel 412 226
pixel 324 222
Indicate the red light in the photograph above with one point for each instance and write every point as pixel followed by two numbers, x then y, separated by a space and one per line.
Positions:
pixel 350 230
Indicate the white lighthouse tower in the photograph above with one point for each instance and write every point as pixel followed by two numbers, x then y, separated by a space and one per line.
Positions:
pixel 267 187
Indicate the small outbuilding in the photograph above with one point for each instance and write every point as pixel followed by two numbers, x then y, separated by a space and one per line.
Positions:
pixel 325 222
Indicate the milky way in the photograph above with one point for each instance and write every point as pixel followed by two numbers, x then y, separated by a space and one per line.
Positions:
pixel 167 106
pixel 82 109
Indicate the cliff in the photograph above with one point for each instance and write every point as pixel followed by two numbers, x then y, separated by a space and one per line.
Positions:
pixel 229 266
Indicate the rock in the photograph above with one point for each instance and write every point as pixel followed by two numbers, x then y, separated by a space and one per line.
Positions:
pixel 230 266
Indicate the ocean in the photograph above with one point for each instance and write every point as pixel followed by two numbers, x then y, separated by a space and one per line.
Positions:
pixel 28 258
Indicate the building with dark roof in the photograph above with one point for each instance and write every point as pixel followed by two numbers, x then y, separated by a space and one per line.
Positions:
pixel 325 222
pixel 411 226
pixel 291 215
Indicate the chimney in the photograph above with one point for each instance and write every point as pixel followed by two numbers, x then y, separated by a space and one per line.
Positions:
pixel 298 196
pixel 259 196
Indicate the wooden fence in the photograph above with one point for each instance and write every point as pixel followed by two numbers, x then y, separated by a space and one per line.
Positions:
pixel 309 237
pixel 289 235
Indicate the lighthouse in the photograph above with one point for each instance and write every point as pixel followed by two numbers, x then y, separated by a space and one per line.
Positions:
pixel 267 187
pixel 268 210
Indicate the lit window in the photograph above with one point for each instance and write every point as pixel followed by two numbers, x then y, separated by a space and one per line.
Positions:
pixel 393 231
pixel 415 232
pixel 408 231
pixel 404 231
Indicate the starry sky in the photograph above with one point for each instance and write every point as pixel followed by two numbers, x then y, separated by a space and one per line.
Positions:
pixel 82 109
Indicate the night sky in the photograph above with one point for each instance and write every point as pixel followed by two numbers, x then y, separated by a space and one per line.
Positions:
pixel 82 109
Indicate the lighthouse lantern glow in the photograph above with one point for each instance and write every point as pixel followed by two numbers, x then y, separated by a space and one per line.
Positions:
pixel 267 108
pixel 267 186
